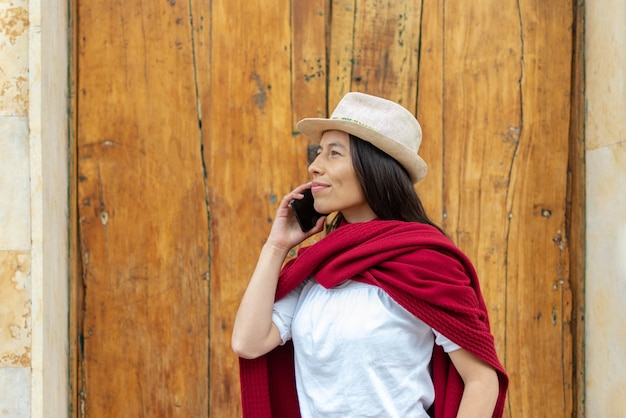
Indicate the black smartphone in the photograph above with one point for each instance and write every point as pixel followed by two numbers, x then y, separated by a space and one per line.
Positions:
pixel 305 212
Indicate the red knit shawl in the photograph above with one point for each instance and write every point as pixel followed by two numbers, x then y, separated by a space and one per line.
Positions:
pixel 422 270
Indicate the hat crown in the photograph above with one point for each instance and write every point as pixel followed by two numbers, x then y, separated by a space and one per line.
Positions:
pixel 381 115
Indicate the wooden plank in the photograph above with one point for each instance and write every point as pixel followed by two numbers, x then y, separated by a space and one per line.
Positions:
pixel 576 212
pixel 499 207
pixel 481 125
pixel 538 261
pixel 386 47
pixel 250 156
pixel 309 69
pixel 309 76
pixel 430 108
pixel 341 50
pixel 143 215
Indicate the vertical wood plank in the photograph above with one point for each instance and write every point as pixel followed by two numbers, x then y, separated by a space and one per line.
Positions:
pixel 430 107
pixel 143 214
pixel 341 50
pixel 250 153
pixel 309 69
pixel 386 54
pixel 483 120
pixel 481 125
pixel 575 216
pixel 538 260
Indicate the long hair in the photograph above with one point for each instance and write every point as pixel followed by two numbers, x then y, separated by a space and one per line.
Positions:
pixel 386 186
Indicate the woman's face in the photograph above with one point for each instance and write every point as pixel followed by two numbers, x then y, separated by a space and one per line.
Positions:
pixel 336 186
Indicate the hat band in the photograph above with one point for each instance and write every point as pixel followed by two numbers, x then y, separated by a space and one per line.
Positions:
pixel 354 121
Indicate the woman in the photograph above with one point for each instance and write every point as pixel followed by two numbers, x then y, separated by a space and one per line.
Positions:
pixel 384 316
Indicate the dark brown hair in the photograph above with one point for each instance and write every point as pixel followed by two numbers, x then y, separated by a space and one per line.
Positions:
pixel 386 185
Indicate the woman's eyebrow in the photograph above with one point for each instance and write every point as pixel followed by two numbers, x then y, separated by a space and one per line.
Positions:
pixel 331 145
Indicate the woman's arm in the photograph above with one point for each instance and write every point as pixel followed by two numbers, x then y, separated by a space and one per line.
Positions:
pixel 254 334
pixel 481 385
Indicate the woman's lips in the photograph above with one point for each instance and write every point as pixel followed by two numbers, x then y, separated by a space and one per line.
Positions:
pixel 316 187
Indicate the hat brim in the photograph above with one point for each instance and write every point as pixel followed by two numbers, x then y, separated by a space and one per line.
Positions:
pixel 416 167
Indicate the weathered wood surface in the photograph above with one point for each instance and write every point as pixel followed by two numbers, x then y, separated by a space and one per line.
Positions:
pixel 143 215
pixel 494 104
pixel 252 160
pixel 186 144
pixel 575 215
pixel 538 345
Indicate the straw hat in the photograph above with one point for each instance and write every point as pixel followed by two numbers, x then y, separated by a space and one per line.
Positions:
pixel 381 122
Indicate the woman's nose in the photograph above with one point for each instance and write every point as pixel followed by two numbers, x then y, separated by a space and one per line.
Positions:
pixel 314 167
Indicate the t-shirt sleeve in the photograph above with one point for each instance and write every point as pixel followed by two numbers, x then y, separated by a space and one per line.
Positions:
pixel 283 313
pixel 443 341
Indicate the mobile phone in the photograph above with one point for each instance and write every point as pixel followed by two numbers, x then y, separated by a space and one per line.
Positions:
pixel 305 212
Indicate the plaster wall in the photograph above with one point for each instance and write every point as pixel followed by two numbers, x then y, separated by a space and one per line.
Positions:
pixel 15 244
pixel 605 136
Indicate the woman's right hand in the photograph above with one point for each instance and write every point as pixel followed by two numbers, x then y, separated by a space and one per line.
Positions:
pixel 286 233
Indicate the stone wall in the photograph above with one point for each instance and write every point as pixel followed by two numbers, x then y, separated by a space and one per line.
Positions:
pixel 605 339
pixel 15 240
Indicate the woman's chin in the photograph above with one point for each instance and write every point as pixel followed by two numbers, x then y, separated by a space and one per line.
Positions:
pixel 322 209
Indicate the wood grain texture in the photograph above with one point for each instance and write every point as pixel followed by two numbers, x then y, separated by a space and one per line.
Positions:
pixel 430 108
pixel 308 49
pixel 341 50
pixel 502 131
pixel 252 161
pixel 186 143
pixel 538 254
pixel 142 212
pixel 386 48
pixel 481 124
pixel 575 215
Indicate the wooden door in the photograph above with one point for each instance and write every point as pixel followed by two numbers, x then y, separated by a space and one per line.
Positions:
pixel 186 142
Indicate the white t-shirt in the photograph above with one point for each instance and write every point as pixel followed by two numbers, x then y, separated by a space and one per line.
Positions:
pixel 357 352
